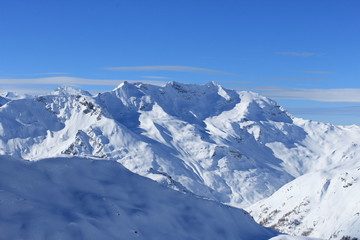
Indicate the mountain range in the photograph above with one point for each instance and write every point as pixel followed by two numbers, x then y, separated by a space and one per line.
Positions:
pixel 233 147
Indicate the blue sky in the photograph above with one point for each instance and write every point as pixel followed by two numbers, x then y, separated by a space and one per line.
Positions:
pixel 304 54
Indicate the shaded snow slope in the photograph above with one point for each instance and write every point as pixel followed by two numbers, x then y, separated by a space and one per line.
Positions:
pixel 324 204
pixel 3 100
pixel 74 198
pixel 235 147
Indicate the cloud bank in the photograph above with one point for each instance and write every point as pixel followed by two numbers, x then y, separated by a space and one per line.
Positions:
pixel 319 72
pixel 350 95
pixel 170 68
pixel 298 54
pixel 70 81
pixel 350 111
pixel 305 79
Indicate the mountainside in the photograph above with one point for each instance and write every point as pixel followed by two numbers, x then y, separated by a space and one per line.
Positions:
pixel 74 198
pixel 324 204
pixel 3 101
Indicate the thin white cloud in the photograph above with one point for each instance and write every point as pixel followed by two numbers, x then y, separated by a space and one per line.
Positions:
pixel 69 81
pixel 155 77
pixel 298 54
pixel 33 74
pixel 46 85
pixel 168 68
pixel 305 79
pixel 30 91
pixel 351 95
pixel 319 72
pixel 51 73
pixel 347 110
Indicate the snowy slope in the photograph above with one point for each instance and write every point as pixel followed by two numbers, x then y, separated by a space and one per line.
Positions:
pixel 3 100
pixel 174 118
pixel 235 147
pixel 324 204
pixel 74 198
pixel 287 237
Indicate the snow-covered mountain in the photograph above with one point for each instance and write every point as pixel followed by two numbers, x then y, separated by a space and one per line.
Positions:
pixel 324 204
pixel 74 198
pixel 199 138
pixel 233 147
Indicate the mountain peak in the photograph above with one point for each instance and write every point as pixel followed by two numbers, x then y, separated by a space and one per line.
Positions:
pixel 122 84
pixel 213 84
pixel 67 90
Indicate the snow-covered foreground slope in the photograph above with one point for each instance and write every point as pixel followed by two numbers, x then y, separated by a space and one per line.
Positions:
pixel 74 198
pixel 324 204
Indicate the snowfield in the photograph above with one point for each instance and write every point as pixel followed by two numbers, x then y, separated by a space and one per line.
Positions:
pixel 236 148
pixel 287 237
pixel 322 204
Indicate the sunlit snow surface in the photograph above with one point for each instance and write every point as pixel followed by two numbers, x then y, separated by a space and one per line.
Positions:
pixel 286 237
pixel 73 198
pixel 322 204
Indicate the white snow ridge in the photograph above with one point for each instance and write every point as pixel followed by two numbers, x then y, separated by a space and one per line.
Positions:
pixel 214 145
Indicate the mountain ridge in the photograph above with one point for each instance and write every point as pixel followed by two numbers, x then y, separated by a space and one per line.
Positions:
pixel 205 128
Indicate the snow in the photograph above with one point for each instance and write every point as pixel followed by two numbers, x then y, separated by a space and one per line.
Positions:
pixel 66 90
pixel 145 127
pixel 3 100
pixel 324 204
pixel 287 237
pixel 13 95
pixel 75 198
pixel 233 147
